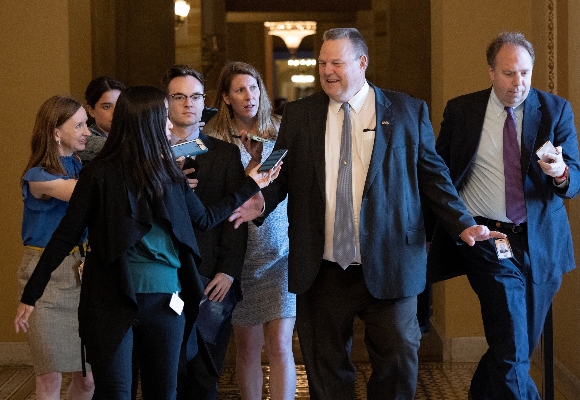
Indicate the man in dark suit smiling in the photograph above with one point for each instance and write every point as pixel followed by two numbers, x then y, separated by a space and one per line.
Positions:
pixel 488 140
pixel 360 162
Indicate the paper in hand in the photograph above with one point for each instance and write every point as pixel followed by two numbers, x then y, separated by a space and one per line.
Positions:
pixel 547 152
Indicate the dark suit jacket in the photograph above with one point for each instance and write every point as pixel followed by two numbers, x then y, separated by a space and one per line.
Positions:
pixel 546 117
pixel 103 201
pixel 221 172
pixel 404 172
pixel 222 248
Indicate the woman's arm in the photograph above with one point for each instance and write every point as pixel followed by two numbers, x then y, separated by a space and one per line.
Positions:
pixel 58 188
pixel 206 217
pixel 66 236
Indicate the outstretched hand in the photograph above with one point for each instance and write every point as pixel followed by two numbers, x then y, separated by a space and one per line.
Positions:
pixel 248 211
pixel 263 179
pixel 23 312
pixel 477 233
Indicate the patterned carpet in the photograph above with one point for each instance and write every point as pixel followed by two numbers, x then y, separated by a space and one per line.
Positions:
pixel 436 381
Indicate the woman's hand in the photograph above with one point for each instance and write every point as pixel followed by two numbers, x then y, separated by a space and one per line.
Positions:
pixel 23 312
pixel 253 147
pixel 263 179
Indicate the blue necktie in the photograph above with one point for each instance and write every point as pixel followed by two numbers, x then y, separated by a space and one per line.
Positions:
pixel 515 203
pixel 344 236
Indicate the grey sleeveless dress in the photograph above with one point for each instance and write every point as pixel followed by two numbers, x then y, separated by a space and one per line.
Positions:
pixel 265 271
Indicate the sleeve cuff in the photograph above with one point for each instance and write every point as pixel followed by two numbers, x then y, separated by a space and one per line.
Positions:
pixel 231 278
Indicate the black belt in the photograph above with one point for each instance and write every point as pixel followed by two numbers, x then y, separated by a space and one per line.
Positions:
pixel 508 226
pixel 335 264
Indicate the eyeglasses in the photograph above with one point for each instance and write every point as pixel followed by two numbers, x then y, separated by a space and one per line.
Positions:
pixel 181 98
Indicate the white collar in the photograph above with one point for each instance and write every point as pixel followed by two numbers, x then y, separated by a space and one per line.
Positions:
pixel 356 102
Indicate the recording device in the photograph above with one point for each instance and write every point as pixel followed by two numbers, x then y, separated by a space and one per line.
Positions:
pixel 273 160
pixel 546 152
pixel 258 138
pixel 189 149
pixel 191 163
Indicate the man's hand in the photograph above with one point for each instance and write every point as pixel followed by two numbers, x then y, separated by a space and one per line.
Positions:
pixel 191 182
pixel 23 312
pixel 217 289
pixel 556 165
pixel 477 233
pixel 180 161
pixel 248 211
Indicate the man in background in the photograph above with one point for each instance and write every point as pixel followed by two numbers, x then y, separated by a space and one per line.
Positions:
pixel 489 139
pixel 223 248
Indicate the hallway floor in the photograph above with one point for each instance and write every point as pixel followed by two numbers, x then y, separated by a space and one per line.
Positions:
pixel 437 380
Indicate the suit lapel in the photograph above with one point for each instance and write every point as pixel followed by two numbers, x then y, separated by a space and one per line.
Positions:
pixel 474 116
pixel 530 126
pixel 317 133
pixel 206 158
pixel 384 128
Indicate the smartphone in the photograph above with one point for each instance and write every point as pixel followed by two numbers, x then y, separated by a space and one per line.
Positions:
pixel 546 152
pixel 191 163
pixel 258 138
pixel 189 149
pixel 273 160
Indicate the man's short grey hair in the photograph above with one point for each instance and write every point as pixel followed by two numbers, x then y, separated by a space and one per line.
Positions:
pixel 357 40
pixel 512 38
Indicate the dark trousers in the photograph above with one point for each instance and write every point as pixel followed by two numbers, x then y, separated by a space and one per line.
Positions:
pixel 197 378
pixel 325 317
pixel 513 309
pixel 156 335
pixel 198 375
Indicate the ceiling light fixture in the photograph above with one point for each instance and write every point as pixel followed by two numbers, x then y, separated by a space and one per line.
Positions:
pixel 292 32
pixel 181 11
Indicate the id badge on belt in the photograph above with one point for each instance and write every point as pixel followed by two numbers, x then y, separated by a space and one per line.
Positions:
pixel 503 248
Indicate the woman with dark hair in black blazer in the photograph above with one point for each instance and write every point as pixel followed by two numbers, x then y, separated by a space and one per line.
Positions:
pixel 142 253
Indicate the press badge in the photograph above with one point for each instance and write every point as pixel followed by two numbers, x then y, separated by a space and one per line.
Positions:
pixel 176 303
pixel 503 248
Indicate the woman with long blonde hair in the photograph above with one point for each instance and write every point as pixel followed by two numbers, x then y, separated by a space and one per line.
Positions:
pixel 267 311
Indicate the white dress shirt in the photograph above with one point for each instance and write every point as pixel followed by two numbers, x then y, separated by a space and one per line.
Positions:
pixel 363 116
pixel 484 189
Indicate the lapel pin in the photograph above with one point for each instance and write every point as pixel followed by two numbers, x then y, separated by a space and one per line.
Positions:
pixel 385 123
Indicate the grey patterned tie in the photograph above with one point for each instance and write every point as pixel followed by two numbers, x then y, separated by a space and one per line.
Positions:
pixel 344 237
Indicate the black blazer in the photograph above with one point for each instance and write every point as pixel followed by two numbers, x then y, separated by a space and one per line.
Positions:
pixel 404 174
pixel 221 172
pixel 104 201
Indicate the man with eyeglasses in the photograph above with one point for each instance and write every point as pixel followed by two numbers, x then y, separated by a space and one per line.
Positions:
pixel 222 248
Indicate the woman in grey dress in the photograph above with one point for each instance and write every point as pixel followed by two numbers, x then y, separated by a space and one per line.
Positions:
pixel 267 312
